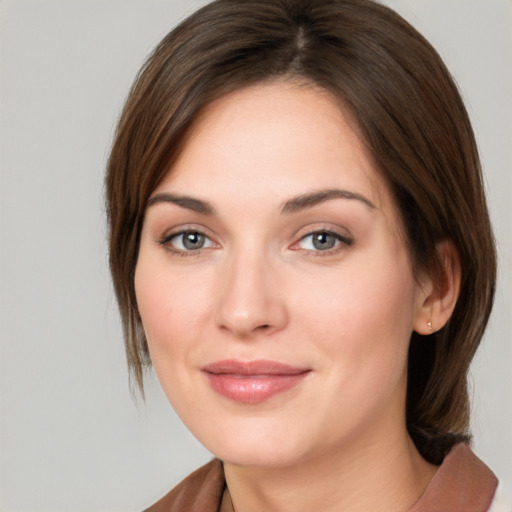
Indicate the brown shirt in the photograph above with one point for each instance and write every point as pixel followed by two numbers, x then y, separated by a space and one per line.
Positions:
pixel 463 483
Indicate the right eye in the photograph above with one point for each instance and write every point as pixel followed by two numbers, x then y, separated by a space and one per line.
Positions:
pixel 187 241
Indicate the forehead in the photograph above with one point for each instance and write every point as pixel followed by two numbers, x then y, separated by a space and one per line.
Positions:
pixel 271 141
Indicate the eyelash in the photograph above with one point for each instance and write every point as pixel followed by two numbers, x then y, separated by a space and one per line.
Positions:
pixel 342 242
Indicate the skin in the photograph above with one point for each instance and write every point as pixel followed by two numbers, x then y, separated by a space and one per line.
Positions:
pixel 260 289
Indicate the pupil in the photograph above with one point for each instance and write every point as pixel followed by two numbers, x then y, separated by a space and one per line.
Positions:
pixel 193 240
pixel 323 241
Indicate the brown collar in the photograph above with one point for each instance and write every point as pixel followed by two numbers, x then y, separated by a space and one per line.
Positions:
pixel 463 483
pixel 201 491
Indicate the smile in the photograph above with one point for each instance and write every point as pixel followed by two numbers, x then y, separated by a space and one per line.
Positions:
pixel 254 381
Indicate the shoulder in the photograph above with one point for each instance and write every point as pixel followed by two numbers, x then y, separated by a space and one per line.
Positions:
pixel 462 482
pixel 201 491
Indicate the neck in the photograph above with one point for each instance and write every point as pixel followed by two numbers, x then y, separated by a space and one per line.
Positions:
pixel 377 476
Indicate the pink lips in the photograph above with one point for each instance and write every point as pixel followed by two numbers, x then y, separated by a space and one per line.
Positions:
pixel 254 381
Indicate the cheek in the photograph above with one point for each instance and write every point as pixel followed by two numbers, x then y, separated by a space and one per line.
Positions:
pixel 153 301
pixel 363 319
pixel 172 306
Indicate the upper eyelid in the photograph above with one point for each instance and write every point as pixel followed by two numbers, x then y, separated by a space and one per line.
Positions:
pixel 330 231
pixel 186 228
pixel 320 227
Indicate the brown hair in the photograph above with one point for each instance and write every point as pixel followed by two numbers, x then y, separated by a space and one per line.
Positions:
pixel 409 113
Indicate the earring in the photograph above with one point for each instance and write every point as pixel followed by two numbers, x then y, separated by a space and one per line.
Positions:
pixel 429 325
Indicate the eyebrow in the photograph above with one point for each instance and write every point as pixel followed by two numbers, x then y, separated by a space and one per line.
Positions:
pixel 293 205
pixel 311 199
pixel 191 203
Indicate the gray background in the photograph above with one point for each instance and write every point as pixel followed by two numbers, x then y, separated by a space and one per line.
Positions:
pixel 71 438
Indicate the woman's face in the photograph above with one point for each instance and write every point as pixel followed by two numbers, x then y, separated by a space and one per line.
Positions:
pixel 275 289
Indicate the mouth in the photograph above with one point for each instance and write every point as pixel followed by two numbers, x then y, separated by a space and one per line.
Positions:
pixel 253 382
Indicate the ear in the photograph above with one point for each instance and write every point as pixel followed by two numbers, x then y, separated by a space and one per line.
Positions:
pixel 438 294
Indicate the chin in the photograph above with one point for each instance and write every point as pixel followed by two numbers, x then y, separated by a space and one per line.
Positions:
pixel 255 447
pixel 257 457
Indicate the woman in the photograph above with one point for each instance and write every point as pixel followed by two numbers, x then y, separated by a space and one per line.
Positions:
pixel 300 246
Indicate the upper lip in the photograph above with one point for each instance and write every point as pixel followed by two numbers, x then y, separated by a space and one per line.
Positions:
pixel 251 368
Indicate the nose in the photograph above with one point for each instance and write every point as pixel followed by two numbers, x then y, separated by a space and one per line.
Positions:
pixel 250 301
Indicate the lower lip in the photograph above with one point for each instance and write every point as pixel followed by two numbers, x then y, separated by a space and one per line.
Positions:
pixel 253 389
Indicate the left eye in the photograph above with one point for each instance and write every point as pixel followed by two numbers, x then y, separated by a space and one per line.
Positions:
pixel 189 241
pixel 321 241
